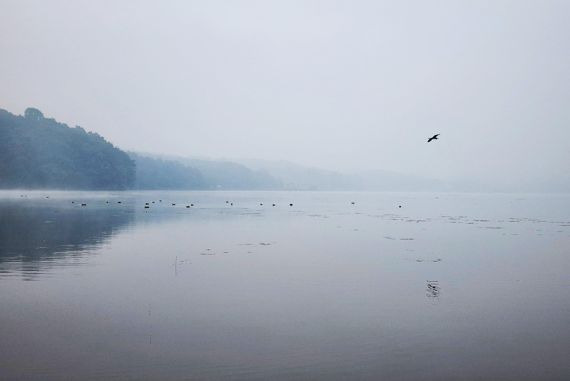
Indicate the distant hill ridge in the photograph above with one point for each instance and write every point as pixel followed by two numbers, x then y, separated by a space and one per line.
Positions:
pixel 216 174
pixel 39 152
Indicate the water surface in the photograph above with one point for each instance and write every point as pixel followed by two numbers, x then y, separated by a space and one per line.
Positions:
pixel 392 287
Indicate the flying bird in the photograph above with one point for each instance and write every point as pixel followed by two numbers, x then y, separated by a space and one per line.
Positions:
pixel 433 138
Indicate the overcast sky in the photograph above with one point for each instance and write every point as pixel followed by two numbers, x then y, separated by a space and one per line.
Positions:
pixel 336 84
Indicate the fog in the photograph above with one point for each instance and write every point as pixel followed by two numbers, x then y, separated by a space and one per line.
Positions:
pixel 347 86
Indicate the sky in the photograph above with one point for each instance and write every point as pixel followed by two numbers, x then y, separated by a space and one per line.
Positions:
pixel 342 85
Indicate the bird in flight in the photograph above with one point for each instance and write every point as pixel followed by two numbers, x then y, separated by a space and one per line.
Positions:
pixel 433 138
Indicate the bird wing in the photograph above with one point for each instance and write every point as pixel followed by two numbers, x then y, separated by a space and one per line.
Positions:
pixel 433 138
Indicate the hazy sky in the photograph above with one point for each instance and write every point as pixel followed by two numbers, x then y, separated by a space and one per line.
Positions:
pixel 335 84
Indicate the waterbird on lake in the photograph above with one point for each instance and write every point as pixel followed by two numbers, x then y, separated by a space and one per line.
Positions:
pixel 433 138
pixel 290 204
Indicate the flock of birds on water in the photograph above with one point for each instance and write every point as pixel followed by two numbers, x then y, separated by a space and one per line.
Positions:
pixel 147 204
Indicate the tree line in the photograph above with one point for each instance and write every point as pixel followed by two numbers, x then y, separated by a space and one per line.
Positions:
pixel 38 152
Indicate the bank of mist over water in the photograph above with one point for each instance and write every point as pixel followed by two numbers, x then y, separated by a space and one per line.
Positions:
pixel 40 153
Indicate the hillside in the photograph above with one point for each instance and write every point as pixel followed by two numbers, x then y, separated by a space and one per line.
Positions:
pixel 155 173
pixel 37 152
pixel 200 174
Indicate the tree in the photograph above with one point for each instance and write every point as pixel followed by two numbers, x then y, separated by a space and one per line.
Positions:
pixel 33 114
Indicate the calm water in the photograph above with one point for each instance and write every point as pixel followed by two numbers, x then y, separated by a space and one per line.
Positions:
pixel 447 287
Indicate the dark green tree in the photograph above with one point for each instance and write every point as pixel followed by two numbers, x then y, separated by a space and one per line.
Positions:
pixel 36 152
pixel 33 114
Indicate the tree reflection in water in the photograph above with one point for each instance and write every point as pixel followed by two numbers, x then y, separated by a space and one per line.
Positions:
pixel 35 238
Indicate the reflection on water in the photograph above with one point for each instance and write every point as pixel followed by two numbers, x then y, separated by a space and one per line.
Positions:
pixel 35 237
pixel 241 285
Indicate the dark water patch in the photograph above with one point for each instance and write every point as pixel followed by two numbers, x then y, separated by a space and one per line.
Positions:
pixel 317 215
pixel 433 289
pixel 250 213
pixel 30 244
pixel 435 260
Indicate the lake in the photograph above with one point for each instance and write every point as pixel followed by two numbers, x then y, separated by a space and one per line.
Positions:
pixel 338 285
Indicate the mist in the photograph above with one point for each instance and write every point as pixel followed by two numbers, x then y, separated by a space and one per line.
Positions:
pixel 343 86
pixel 284 190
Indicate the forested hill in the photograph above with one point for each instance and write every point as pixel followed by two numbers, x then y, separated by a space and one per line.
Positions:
pixel 164 172
pixel 37 152
pixel 155 173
